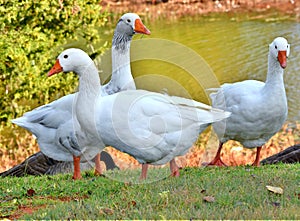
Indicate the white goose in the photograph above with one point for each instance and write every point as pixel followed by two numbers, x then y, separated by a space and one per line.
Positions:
pixel 152 127
pixel 53 124
pixel 258 109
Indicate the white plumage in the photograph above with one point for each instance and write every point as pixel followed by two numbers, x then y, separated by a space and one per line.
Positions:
pixel 152 127
pixel 258 109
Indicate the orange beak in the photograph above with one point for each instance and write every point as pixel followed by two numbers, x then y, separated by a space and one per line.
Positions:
pixel 282 58
pixel 55 69
pixel 140 27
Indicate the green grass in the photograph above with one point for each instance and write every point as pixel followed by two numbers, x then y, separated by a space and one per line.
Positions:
pixel 239 193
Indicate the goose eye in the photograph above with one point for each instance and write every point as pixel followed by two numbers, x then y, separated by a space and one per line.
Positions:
pixel 287 46
pixel 128 20
pixel 65 56
pixel 275 46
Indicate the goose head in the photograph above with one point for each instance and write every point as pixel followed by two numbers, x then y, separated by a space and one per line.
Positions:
pixel 72 59
pixel 280 50
pixel 129 24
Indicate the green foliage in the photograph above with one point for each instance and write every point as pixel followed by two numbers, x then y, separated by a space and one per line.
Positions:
pixel 32 34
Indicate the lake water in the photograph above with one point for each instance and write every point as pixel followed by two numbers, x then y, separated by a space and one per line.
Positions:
pixel 217 50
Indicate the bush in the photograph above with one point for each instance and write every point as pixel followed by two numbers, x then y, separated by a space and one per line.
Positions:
pixel 32 34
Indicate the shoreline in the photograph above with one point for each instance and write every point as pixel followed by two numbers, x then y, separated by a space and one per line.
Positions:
pixel 175 9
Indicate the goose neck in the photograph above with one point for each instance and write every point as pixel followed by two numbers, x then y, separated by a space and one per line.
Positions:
pixel 87 98
pixel 275 73
pixel 121 78
pixel 120 52
pixel 89 81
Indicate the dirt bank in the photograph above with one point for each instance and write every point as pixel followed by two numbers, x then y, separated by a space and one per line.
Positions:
pixel 179 8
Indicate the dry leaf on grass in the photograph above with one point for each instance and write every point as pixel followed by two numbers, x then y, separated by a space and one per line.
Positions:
pixel 275 189
pixel 106 211
pixel 30 192
pixel 132 203
pixel 209 199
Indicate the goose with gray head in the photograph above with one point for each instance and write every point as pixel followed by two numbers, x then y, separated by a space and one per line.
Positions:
pixel 53 124
pixel 258 109
pixel 152 127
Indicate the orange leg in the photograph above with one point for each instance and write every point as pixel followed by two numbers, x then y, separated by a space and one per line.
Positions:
pixel 98 170
pixel 217 160
pixel 76 161
pixel 174 168
pixel 144 171
pixel 257 159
